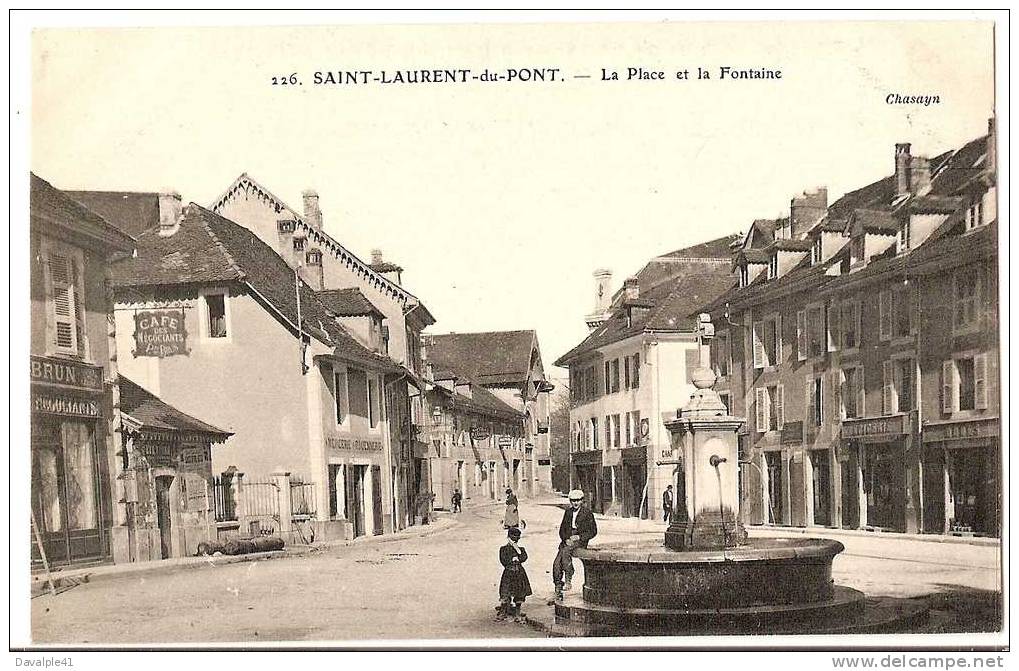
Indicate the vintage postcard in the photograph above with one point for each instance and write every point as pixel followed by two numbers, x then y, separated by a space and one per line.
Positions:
pixel 514 331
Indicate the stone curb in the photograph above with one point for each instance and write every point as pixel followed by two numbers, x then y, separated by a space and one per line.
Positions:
pixel 72 577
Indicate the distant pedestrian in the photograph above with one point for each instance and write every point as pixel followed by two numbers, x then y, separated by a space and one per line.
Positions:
pixel 512 516
pixel 575 531
pixel 457 499
pixel 667 504
pixel 514 586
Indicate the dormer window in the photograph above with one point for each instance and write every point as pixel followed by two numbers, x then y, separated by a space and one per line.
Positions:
pixel 773 266
pixel 744 276
pixel 299 244
pixel 816 252
pixel 286 225
pixel 975 215
pixel 314 257
pixel 903 238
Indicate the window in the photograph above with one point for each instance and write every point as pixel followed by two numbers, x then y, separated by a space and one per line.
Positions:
pixel 374 410
pixel 286 225
pixel 626 372
pixel 858 248
pixel 975 215
pixel 594 433
pixel 816 344
pixel 615 431
pixel 723 396
pixel 63 267
pixel 852 393
pixel 299 244
pixel 357 392
pixel 813 401
pixel 833 326
pixel 608 378
pixel 903 236
pixel 314 257
pixel 608 432
pixel 769 411
pixel 215 311
pixel 773 266
pixel 850 320
pixel 897 389
pixel 638 430
pixel 334 500
pixel 816 252
pixel 340 395
pixel 902 312
pixel 628 421
pixel 967 299
pixel 636 370
pixel 744 276
pixel 615 375
pixel 768 342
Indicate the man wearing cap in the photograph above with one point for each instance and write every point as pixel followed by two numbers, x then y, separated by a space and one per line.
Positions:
pixel 576 531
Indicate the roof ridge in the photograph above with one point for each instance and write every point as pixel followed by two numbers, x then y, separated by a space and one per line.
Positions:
pixel 244 176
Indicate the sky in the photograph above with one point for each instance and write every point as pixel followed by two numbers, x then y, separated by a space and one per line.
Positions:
pixel 500 198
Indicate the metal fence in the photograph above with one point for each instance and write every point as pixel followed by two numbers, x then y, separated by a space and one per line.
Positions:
pixel 223 499
pixel 302 499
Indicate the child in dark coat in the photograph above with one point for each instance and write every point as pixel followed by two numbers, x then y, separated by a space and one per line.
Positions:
pixel 514 586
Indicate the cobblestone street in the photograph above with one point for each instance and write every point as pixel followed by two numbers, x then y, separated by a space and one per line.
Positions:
pixel 444 585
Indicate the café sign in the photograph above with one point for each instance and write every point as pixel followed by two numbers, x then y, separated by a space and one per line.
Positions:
pixel 160 333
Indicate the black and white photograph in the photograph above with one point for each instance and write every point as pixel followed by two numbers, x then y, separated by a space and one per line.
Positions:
pixel 522 331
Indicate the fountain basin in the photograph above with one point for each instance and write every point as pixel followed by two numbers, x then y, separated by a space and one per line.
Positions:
pixel 766 571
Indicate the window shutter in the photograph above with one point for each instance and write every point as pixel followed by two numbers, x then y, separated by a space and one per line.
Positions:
pixel 608 379
pixel 779 407
pixel 858 313
pixel 887 387
pixel 64 303
pixel 835 384
pixel 808 404
pixel 778 341
pixel 758 335
pixel 801 335
pixel 761 409
pixel 980 381
pixel 885 316
pixel 833 326
pixel 861 392
pixel 948 386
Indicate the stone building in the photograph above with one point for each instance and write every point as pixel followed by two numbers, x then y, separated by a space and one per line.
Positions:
pixel 632 372
pixel 508 365
pixel 77 499
pixel 326 265
pixel 214 322
pixel 861 341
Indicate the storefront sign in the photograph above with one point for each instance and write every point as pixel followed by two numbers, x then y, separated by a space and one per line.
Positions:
pixel 505 442
pixel 194 455
pixel 480 433
pixel 985 428
pixel 71 374
pixel 70 406
pixel 353 444
pixel 159 454
pixel 160 333
pixel 875 427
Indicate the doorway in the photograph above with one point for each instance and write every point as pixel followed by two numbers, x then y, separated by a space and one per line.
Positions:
pixel 773 462
pixel 884 485
pixel 377 523
pixel 354 482
pixel 849 467
pixel 164 515
pixel 820 466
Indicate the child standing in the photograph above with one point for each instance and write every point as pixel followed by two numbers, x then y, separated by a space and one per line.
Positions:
pixel 514 586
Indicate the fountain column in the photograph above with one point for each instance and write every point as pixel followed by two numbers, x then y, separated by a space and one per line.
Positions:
pixel 706 448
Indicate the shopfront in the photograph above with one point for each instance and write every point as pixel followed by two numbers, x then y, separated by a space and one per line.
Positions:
pixel 878 463
pixel 962 486
pixel 587 475
pixel 356 465
pixel 71 509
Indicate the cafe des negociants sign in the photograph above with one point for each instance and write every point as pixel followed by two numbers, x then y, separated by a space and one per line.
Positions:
pixel 160 333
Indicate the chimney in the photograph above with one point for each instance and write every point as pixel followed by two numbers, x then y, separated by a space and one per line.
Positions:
pixel 919 175
pixel 376 257
pixel 312 213
pixel 169 213
pixel 603 292
pixel 806 210
pixel 991 162
pixel 631 288
pixel 902 168
pixel 311 269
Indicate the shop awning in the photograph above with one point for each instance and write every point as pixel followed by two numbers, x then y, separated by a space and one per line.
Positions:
pixel 145 413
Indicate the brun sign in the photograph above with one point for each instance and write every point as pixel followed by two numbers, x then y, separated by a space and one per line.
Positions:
pixel 72 374
pixel 936 433
pixel 160 333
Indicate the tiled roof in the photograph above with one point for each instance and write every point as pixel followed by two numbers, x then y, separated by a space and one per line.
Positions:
pixel 49 206
pixel 875 221
pixel 131 212
pixel 481 400
pixel 494 357
pixel 347 302
pixel 674 304
pixel 208 248
pixel 151 412
pixel 718 248
pixel 793 245
pixel 385 267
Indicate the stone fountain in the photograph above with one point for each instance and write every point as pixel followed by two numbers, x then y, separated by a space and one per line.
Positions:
pixel 708 577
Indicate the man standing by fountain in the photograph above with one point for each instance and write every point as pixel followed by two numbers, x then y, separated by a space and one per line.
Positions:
pixel 575 531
